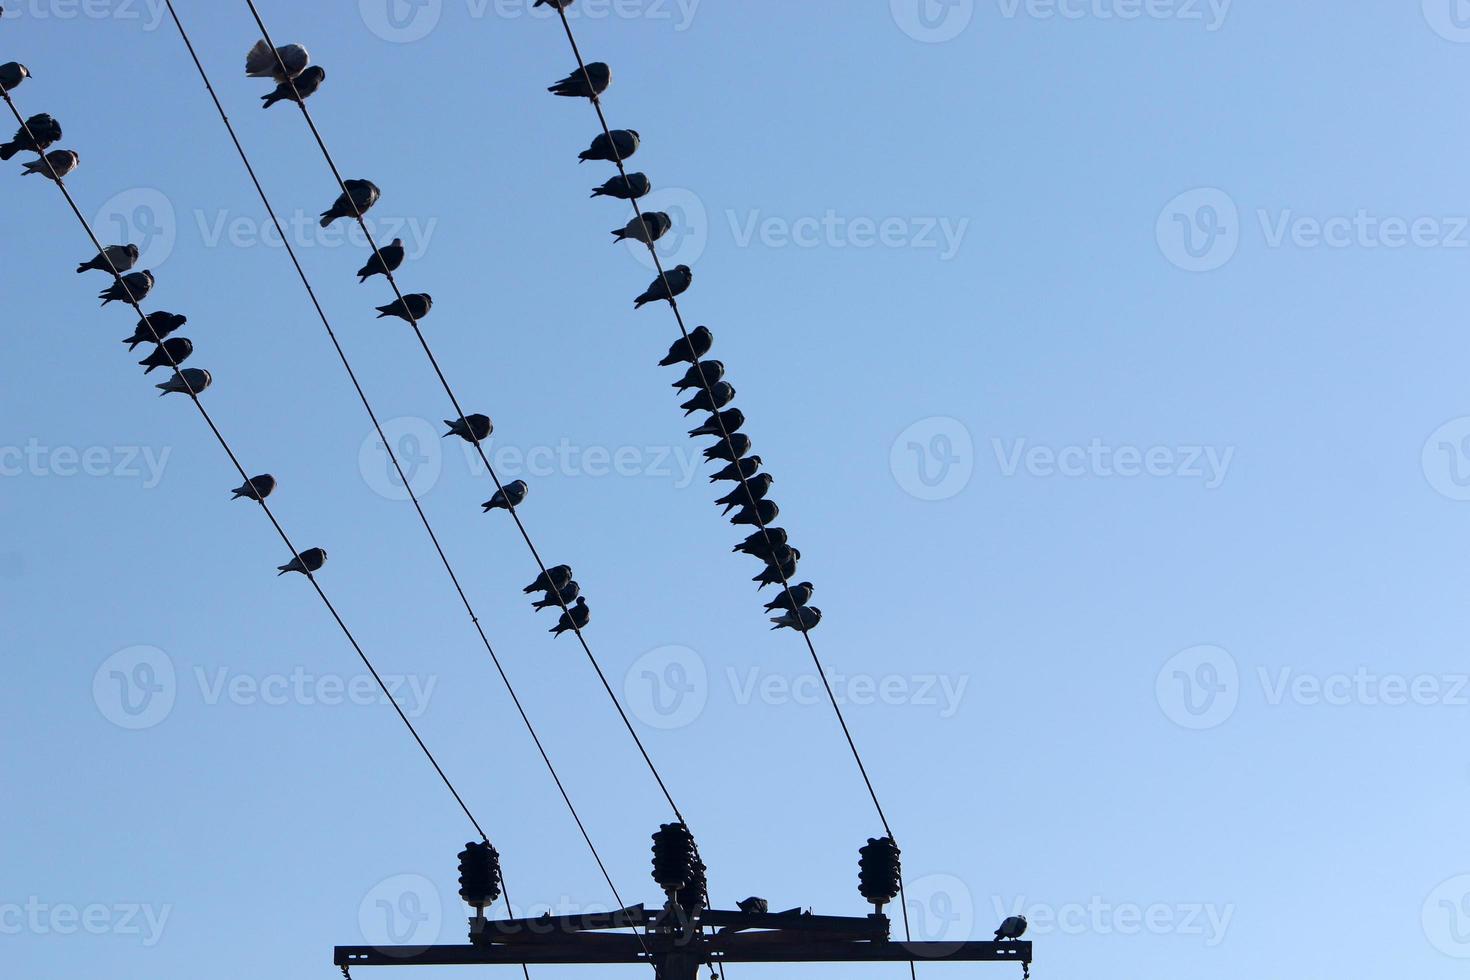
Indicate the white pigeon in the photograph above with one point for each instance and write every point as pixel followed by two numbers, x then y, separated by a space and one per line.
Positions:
pixel 262 62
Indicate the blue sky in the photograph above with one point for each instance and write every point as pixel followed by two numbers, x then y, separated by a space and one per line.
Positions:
pixel 1109 357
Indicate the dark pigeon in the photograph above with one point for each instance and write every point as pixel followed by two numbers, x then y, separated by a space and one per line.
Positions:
pixel 805 618
pixel 360 197
pixel 61 162
pixel 413 307
pixel 761 542
pixel 743 470
pixel 384 261
pixel 701 339
pixel 306 85
pixel 712 399
pixel 12 73
pixel 1014 927
pixel 131 288
pixel 474 428
pixel 732 419
pixel 699 375
pixel 778 573
pixel 647 228
pixel 672 283
pixel 764 512
pixel 737 446
pixel 584 85
pixel 310 560
pixel 629 188
pixel 754 906
pixel 555 577
pixel 564 597
pixel 256 488
pixel 194 380
pixel 175 350
pixel 114 259
pixel 36 136
pixel 573 619
pixel 262 62
pixel 754 489
pixel 792 599
pixel 511 495
pixel 162 325
pixel 624 144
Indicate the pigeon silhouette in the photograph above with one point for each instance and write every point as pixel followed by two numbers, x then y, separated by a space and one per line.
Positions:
pixel 175 350
pixel 730 450
pixel 761 542
pixel 573 619
pixel 775 574
pixel 262 62
pixel 131 288
pixel 555 577
pixel 384 261
pixel 629 188
pixel 1014 927
pixel 306 85
pixel 557 4
pixel 764 512
pixel 62 163
pixel 805 618
pixel 711 399
pixel 584 85
pixel 746 493
pixel 699 343
pixel 564 597
pixel 12 73
pixel 699 375
pixel 666 287
pixel 256 488
pixel 188 380
pixel 509 496
pixel 310 560
pixel 38 133
pixel 754 906
pixel 414 306
pixel 647 229
pixel 792 599
pixel 732 419
pixel 359 198
pixel 162 325
pixel 473 428
pixel 742 470
pixel 114 259
pixel 624 144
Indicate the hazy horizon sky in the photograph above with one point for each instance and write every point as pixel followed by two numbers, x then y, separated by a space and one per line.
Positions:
pixel 1109 357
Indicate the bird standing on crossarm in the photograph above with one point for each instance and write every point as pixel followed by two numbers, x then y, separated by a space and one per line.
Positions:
pixel 1014 927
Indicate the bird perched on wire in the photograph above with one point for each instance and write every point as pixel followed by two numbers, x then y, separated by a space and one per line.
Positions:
pixel 805 618
pixel 624 144
pixel 670 284
pixel 509 496
pixel 1014 927
pixel 131 288
pixel 574 618
pixel 559 597
pixel 706 373
pixel 284 62
pixel 647 228
pixel 741 470
pixel 360 196
pixel 385 260
pixel 60 163
pixel 310 560
pixel 701 339
pixel 306 85
pixel 188 380
pixel 629 188
pixel 256 488
pixel 764 512
pixel 175 350
pixel 555 577
pixel 12 73
pixel 36 136
pixel 754 906
pixel 753 489
pixel 414 306
pixel 584 85
pixel 792 599
pixel 711 399
pixel 777 573
pixel 730 450
pixel 761 543
pixel 113 258
pixel 732 420
pixel 154 327
pixel 472 428
pixel 558 4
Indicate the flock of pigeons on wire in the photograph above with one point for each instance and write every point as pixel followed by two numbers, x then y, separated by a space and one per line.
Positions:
pixel 749 499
